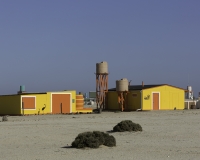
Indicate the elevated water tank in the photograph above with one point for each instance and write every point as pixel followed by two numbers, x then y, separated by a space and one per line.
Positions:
pixel 22 88
pixel 122 85
pixel 102 67
pixel 189 88
pixel 189 93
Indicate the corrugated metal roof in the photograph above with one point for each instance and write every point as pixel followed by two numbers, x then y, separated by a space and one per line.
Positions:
pixel 24 93
pixel 140 87
pixel 27 93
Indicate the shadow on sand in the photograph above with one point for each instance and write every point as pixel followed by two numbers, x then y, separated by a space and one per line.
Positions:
pixel 111 131
pixel 68 147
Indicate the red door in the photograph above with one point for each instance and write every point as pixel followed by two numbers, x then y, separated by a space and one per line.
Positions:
pixel 155 101
pixel 60 103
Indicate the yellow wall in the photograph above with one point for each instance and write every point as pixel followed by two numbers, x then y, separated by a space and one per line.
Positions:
pixel 112 101
pixel 170 97
pixel 10 105
pixel 134 100
pixel 41 101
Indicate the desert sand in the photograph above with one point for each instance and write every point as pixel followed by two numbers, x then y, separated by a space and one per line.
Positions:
pixel 166 135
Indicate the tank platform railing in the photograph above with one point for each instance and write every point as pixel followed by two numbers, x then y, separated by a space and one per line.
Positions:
pixel 101 89
pixel 123 100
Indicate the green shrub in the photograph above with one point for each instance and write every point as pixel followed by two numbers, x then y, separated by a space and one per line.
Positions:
pixel 127 125
pixel 93 140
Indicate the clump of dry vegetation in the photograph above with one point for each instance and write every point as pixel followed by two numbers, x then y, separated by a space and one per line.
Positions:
pixel 4 118
pixel 127 125
pixel 93 140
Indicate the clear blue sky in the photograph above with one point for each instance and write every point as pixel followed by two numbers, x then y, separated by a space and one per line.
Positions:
pixel 50 45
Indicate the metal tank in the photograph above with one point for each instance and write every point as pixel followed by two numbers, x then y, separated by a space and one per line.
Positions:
pixel 189 88
pixel 122 85
pixel 190 92
pixel 22 88
pixel 102 67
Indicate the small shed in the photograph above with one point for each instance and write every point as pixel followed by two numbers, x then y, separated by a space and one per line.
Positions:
pixel 148 97
pixel 38 103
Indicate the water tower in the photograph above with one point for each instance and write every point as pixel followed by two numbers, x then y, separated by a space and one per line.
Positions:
pixel 101 83
pixel 122 91
pixel 190 92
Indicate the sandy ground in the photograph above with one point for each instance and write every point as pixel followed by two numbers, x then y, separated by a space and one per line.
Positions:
pixel 166 135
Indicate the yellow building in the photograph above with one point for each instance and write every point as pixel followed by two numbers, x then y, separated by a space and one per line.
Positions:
pixel 149 97
pixel 39 103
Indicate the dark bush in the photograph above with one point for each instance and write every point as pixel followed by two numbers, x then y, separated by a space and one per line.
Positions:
pixel 109 141
pixel 93 140
pixel 127 125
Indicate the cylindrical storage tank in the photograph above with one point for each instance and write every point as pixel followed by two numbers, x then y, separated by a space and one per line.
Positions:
pixel 102 67
pixel 22 88
pixel 122 85
pixel 189 88
pixel 79 101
